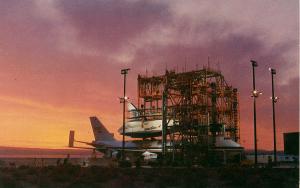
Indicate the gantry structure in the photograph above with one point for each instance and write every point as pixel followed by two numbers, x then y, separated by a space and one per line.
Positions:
pixel 200 104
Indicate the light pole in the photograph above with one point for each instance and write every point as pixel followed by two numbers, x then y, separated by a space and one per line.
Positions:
pixel 274 100
pixel 255 94
pixel 124 72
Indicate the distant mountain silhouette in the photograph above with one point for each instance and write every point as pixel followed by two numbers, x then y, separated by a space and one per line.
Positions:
pixel 41 152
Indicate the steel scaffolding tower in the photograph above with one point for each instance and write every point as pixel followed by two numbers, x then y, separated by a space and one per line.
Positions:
pixel 200 103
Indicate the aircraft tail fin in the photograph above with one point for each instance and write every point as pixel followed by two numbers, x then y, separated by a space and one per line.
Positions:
pixel 71 138
pixel 100 132
pixel 133 111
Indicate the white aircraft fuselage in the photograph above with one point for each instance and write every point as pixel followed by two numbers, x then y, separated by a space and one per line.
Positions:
pixel 104 140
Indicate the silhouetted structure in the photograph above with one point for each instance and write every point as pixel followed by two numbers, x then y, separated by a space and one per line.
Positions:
pixel 291 143
pixel 274 100
pixel 124 72
pixel 201 104
pixel 255 94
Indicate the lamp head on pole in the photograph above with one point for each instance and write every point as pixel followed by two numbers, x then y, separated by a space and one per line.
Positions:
pixel 273 71
pixel 124 99
pixel 254 63
pixel 256 93
pixel 275 99
pixel 124 71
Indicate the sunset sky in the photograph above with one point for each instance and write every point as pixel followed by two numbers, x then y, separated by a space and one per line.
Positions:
pixel 60 61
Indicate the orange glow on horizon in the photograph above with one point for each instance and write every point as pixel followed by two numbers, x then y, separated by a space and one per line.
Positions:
pixel 31 124
pixel 48 126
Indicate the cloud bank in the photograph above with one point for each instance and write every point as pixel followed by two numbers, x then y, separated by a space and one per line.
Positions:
pixel 69 53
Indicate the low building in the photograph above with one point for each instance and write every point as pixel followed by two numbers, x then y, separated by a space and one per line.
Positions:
pixel 291 143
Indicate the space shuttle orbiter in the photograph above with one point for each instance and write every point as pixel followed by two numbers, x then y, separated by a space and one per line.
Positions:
pixel 138 126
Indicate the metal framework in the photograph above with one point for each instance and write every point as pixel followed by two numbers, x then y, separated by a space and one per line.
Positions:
pixel 200 104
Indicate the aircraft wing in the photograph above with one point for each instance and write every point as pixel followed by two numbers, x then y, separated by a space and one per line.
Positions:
pixel 83 147
pixel 88 143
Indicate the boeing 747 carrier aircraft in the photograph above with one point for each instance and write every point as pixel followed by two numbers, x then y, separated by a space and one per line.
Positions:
pixel 106 143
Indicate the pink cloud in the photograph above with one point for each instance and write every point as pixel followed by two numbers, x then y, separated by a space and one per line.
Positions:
pixel 69 53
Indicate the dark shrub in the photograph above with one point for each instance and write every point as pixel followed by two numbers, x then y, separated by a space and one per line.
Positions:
pixel 8 181
pixel 124 164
